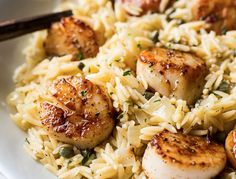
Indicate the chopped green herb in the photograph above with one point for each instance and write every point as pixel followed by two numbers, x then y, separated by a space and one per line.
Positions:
pixel 26 140
pixel 120 116
pixel 224 87
pixel 148 95
pixel 180 21
pixel 169 45
pixel 97 114
pixel 168 18
pixel 157 100
pixel 66 152
pixel 81 66
pixel 155 38
pixel 88 155
pixel 68 163
pixel 83 93
pixel 80 56
pixel 223 30
pixel 126 73
pixel 131 176
pixel 129 102
pixel 139 46
pixel 234 52
pixel 173 41
pixel 151 64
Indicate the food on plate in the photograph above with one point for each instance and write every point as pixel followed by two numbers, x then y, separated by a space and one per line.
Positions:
pixel 220 15
pixel 183 156
pixel 71 36
pixel 83 114
pixel 148 5
pixel 230 146
pixel 173 73
pixel 131 89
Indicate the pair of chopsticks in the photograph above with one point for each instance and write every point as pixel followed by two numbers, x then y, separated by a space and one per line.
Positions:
pixel 15 28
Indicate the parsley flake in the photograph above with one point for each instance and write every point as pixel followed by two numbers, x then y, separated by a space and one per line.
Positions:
pixel 126 73
pixel 97 114
pixel 139 46
pixel 234 52
pixel 83 93
pixel 157 100
pixel 223 30
pixel 120 116
pixel 88 156
pixel 26 140
pixel 155 37
pixel 80 56
pixel 148 95
pixel 224 87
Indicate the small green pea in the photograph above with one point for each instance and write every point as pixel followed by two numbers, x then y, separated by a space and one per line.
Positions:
pixel 81 66
pixel 66 152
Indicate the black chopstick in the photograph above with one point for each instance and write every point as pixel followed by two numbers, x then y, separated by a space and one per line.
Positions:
pixel 14 28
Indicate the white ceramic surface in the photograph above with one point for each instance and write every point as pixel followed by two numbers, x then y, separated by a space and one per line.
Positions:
pixel 15 163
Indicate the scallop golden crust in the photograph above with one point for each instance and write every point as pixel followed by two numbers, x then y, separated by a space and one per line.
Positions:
pixel 181 156
pixel 230 146
pixel 173 73
pixel 221 15
pixel 83 115
pixel 147 5
pixel 71 36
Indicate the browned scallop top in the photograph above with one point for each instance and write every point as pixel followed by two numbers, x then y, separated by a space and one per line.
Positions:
pixel 146 5
pixel 167 60
pixel 187 150
pixel 230 146
pixel 71 36
pixel 220 14
pixel 82 108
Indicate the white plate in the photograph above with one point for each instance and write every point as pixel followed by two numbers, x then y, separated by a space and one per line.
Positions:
pixel 15 163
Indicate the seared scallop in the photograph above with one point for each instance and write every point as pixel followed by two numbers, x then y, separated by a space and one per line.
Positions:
pixel 149 5
pixel 230 146
pixel 71 36
pixel 181 156
pixel 82 114
pixel 221 15
pixel 173 73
